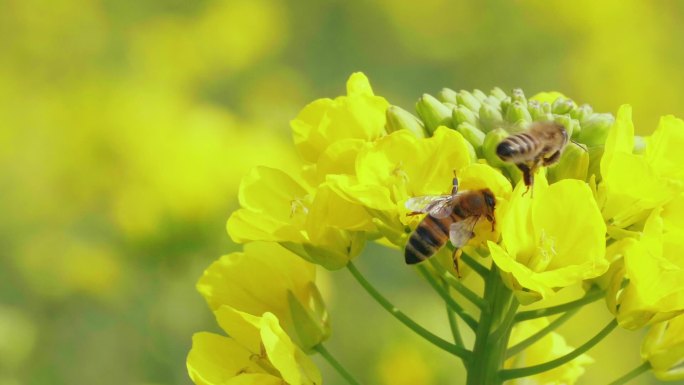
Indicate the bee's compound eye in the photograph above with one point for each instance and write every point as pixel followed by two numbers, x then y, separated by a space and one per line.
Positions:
pixel 490 200
pixel 505 150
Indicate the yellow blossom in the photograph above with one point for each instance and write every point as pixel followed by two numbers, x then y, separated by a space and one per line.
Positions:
pixel 268 278
pixel 632 183
pixel 552 237
pixel 551 346
pixel 663 348
pixel 277 208
pixel 359 115
pixel 655 269
pixel 258 352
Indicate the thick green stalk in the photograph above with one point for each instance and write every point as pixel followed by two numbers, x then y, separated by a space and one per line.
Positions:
pixel 403 318
pixel 494 328
pixel 336 364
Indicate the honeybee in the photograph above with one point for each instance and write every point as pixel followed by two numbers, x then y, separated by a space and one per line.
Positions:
pixel 451 216
pixel 540 145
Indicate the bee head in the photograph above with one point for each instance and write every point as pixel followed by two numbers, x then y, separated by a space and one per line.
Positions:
pixel 489 198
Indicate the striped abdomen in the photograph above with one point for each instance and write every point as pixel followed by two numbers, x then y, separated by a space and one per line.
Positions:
pixel 518 148
pixel 430 236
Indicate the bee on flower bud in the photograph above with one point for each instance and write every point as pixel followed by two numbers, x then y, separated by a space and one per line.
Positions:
pixel 540 145
pixel 452 216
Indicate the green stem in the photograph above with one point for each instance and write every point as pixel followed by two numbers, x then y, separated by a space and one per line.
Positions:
pixel 632 374
pixel 403 318
pixel 588 298
pixel 482 271
pixel 494 328
pixel 453 325
pixel 509 374
pixel 335 364
pixel 522 345
pixel 457 285
pixel 444 293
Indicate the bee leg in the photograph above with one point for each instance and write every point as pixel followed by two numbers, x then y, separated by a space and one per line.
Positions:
pixel 412 213
pixel 552 159
pixel 528 177
pixel 456 256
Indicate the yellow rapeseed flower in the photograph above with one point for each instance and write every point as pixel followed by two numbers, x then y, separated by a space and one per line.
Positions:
pixel 552 237
pixel 359 115
pixel 268 278
pixel 549 347
pixel 655 269
pixel 277 208
pixel 663 348
pixel 633 183
pixel 258 352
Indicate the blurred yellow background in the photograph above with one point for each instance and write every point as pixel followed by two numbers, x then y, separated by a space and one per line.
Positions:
pixel 127 125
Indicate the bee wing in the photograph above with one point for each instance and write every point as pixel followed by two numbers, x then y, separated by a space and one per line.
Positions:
pixel 462 231
pixel 438 206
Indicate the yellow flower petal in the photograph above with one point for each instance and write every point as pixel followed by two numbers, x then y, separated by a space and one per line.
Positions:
pixel 663 348
pixel 218 360
pixel 295 366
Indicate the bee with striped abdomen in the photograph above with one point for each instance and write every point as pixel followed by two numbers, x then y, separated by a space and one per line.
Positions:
pixel 451 216
pixel 540 145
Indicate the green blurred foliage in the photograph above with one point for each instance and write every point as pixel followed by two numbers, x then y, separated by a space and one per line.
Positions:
pixel 127 125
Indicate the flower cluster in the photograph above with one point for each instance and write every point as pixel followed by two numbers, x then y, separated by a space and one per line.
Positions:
pixel 606 216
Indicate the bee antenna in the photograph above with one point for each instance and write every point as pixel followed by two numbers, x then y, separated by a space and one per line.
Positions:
pixel 455 176
pixel 580 145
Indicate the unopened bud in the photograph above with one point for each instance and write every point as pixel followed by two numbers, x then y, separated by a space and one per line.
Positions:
pixel 489 145
pixel 595 129
pixel 582 113
pixel 571 125
pixel 467 99
pixel 462 114
pixel 498 93
pixel 537 113
pixel 546 107
pixel 433 113
pixel 311 321
pixel 447 95
pixel 517 113
pixel 490 117
pixel 472 134
pixel 573 164
pixel 400 119
pixel 562 106
pixel 479 95
pixel 517 95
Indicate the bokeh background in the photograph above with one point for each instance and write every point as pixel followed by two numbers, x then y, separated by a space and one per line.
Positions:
pixel 126 125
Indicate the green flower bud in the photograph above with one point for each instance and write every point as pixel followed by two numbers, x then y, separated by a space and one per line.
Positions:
pixel 546 108
pixel 491 141
pixel 479 95
pixel 311 321
pixel 498 93
pixel 639 144
pixel 471 134
pixel 571 125
pixel 462 114
pixel 492 101
pixel 433 113
pixel 447 95
pixel 537 113
pixel 490 117
pixel 573 164
pixel 517 95
pixel 467 99
pixel 400 119
pixel 595 129
pixel 517 113
pixel 562 106
pixel 582 113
